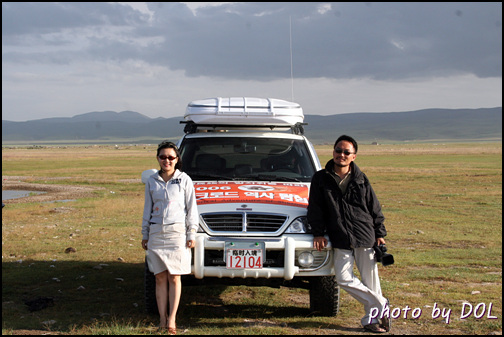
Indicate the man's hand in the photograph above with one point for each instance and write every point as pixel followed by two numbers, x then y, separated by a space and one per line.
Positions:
pixel 319 243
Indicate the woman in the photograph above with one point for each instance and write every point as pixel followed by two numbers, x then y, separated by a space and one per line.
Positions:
pixel 169 225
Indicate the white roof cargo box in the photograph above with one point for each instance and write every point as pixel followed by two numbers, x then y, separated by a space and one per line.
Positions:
pixel 244 111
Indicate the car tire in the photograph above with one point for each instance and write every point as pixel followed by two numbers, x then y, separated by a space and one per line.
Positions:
pixel 324 296
pixel 150 291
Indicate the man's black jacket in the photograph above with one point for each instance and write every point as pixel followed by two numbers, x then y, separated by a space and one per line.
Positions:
pixel 351 220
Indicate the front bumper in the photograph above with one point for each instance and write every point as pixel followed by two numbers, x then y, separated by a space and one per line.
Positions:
pixel 288 246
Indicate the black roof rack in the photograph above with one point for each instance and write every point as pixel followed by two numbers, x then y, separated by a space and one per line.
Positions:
pixel 192 127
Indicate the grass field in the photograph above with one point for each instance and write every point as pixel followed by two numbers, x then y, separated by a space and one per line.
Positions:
pixel 443 209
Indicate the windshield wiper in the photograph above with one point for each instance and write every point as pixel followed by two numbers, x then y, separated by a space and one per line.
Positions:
pixel 266 177
pixel 209 176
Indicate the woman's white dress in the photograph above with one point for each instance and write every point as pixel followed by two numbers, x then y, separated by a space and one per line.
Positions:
pixel 170 219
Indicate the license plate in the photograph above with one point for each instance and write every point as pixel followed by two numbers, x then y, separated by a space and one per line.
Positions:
pixel 244 255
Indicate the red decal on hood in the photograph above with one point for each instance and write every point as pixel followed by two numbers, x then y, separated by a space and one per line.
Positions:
pixel 290 194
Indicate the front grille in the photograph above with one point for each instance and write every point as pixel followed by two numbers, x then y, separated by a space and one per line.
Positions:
pixel 244 222
pixel 224 222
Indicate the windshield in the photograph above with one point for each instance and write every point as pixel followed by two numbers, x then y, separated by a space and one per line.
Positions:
pixel 245 158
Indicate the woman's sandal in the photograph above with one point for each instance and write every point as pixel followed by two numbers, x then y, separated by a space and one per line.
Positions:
pixel 375 328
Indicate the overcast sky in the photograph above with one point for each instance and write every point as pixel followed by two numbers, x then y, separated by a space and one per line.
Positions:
pixel 64 59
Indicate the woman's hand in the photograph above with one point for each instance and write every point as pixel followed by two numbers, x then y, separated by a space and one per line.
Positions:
pixel 191 243
pixel 144 244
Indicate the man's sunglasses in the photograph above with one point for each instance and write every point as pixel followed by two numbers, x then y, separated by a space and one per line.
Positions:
pixel 346 152
pixel 170 158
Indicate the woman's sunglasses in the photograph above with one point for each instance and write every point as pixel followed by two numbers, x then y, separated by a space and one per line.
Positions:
pixel 170 158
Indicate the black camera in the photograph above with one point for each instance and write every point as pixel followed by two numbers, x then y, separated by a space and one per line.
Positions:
pixel 382 256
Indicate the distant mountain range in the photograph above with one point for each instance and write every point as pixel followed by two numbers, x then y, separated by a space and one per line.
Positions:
pixel 133 127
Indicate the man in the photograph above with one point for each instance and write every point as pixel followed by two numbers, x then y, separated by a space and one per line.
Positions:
pixel 344 206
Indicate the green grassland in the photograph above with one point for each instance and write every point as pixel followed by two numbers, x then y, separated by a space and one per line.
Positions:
pixel 443 209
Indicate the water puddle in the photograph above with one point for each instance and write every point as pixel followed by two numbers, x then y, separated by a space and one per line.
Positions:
pixel 14 194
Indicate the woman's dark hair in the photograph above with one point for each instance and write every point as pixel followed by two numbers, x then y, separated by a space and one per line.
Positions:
pixel 348 139
pixel 165 144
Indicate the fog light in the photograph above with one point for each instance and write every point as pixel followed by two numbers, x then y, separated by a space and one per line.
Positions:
pixel 305 259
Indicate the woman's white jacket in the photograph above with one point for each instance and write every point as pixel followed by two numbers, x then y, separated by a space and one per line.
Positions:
pixel 170 202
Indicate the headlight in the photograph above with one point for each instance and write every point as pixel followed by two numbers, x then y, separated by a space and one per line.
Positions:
pixel 305 259
pixel 299 226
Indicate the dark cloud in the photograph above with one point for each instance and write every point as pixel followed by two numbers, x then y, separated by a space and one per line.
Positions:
pixel 251 40
pixel 42 17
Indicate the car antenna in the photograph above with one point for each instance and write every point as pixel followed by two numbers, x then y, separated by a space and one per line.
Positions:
pixel 292 74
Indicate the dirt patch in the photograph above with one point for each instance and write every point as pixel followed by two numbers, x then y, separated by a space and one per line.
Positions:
pixel 53 192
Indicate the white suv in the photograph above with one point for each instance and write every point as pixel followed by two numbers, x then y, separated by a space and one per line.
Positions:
pixel 251 167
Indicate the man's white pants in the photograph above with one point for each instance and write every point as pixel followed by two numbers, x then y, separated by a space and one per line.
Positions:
pixel 368 292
